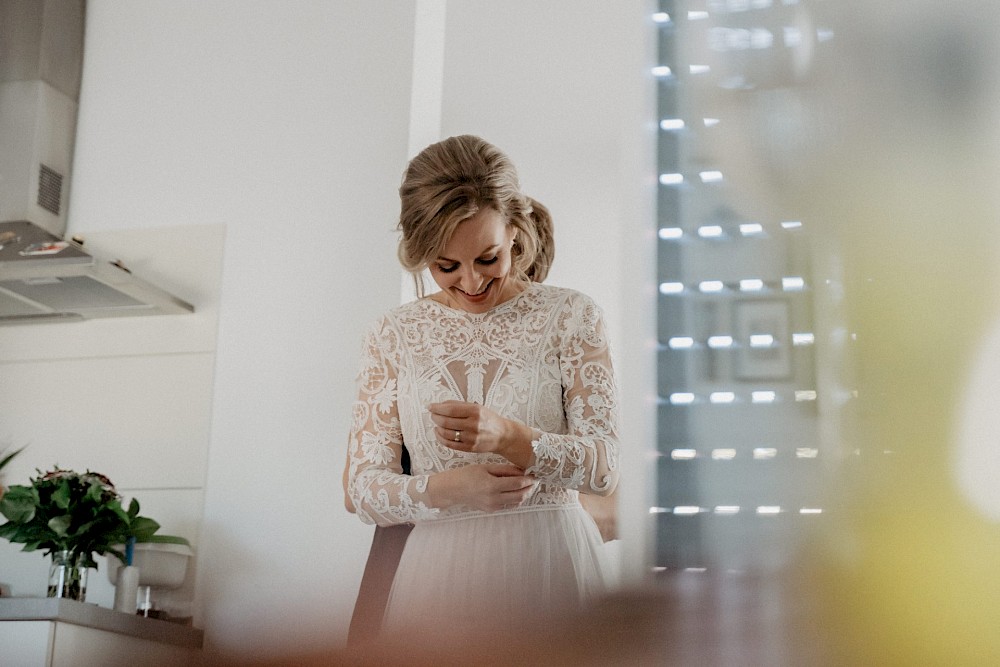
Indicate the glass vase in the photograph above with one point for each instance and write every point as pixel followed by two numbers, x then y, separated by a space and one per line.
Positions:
pixel 67 576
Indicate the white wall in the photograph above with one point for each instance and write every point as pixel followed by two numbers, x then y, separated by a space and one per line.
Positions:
pixel 285 126
pixel 288 125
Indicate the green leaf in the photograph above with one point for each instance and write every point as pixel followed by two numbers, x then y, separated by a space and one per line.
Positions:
pixel 142 528
pixel 61 495
pixel 116 507
pixel 133 509
pixel 83 529
pixel 7 459
pixel 95 492
pixel 18 503
pixel 9 530
pixel 60 525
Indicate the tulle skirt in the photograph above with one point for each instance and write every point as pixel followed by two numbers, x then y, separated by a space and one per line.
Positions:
pixel 496 573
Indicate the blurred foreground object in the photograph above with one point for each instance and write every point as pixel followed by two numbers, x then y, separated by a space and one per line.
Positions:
pixel 885 137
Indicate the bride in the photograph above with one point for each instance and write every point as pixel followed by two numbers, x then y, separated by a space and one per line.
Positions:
pixel 504 393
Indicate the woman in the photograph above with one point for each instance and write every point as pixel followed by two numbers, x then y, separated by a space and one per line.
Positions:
pixel 388 541
pixel 503 391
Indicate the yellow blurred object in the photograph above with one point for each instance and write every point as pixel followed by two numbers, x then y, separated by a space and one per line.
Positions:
pixel 888 148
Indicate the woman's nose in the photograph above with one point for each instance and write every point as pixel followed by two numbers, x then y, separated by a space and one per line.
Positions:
pixel 470 280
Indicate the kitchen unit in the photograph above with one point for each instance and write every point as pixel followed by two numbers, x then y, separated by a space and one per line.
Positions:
pixel 55 632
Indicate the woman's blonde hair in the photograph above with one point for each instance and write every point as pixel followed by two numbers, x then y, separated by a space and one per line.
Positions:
pixel 451 181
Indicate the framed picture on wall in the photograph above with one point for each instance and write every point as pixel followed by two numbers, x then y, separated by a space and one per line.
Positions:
pixel 762 331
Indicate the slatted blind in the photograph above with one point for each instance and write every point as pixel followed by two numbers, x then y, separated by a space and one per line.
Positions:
pixel 740 452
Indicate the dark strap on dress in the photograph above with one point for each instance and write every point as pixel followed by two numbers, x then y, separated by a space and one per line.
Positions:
pixel 383 558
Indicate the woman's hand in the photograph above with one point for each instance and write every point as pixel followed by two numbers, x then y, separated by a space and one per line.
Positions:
pixel 470 427
pixel 348 503
pixel 489 487
pixel 604 510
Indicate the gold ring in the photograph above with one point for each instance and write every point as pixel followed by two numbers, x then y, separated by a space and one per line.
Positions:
pixel 458 436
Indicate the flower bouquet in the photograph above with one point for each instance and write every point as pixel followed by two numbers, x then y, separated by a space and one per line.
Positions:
pixel 72 516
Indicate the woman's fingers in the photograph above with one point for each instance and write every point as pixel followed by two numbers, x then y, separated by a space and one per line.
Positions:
pixel 456 439
pixel 513 485
pixel 454 423
pixel 505 470
pixel 469 427
pixel 452 427
pixel 457 416
pixel 457 409
pixel 451 434
pixel 500 486
pixel 450 423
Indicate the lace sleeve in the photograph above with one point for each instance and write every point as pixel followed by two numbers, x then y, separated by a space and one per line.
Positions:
pixel 586 458
pixel 381 493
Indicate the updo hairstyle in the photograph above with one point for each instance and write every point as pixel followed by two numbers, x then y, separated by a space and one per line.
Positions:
pixel 451 181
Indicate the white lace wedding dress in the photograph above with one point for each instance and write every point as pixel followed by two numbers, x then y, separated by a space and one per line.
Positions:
pixel 541 358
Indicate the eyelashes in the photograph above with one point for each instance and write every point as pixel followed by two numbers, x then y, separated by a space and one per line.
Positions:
pixel 452 267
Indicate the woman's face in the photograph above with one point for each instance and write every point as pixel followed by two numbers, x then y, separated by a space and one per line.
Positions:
pixel 473 270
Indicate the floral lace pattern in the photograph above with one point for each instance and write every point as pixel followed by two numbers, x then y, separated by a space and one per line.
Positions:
pixel 541 358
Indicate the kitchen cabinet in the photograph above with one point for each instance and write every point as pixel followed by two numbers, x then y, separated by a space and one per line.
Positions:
pixel 53 632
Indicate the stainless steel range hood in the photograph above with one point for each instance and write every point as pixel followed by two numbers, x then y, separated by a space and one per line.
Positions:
pixel 42 276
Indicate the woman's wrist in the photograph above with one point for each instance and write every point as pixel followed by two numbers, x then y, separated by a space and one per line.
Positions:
pixel 516 445
pixel 440 490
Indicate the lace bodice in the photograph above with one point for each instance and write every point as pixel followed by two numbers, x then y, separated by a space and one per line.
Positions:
pixel 541 358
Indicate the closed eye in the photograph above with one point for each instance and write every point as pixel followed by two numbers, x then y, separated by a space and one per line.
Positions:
pixel 443 268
